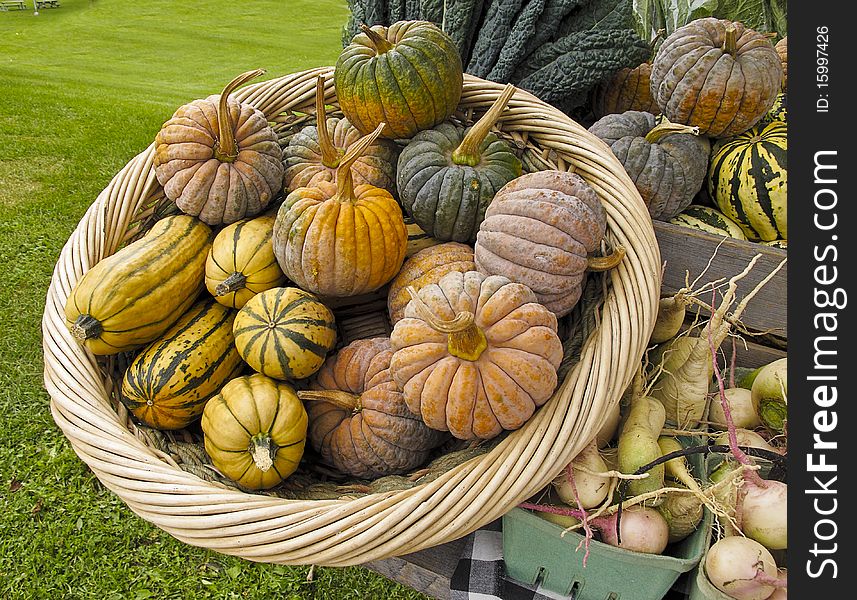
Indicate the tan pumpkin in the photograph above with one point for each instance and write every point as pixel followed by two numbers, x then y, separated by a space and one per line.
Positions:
pixel 425 267
pixel 241 262
pixel 315 151
pixel 628 89
pixel 335 239
pixel 359 421
pixel 475 354
pixel 717 75
pixel 783 52
pixel 255 431
pixel 539 230
pixel 219 159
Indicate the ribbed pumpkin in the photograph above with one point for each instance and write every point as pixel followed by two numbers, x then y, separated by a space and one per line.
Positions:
pixel 667 162
pixel 408 75
pixel 783 52
pixel 284 333
pixel 748 180
pixel 218 159
pixel 717 75
pixel 425 267
pixel 241 262
pixel 447 176
pixel 133 296
pixel 255 431
pixel 539 230
pixel 335 239
pixel 315 151
pixel 168 383
pixel 359 421
pixel 475 355
pixel 628 89
pixel 708 219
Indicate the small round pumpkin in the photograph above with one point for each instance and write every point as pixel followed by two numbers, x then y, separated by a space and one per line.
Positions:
pixel 335 239
pixel 219 159
pixel 241 262
pixel 284 333
pixel 717 75
pixel 539 230
pixel 667 162
pixel 447 176
pixel 425 267
pixel 408 75
pixel 475 354
pixel 255 431
pixel 628 89
pixel 315 151
pixel 359 421
pixel 783 52
pixel 748 180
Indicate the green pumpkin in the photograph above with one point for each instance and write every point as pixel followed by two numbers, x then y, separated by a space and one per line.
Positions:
pixel 748 178
pixel 408 75
pixel 447 176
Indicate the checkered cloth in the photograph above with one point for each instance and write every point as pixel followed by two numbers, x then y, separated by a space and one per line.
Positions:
pixel 480 573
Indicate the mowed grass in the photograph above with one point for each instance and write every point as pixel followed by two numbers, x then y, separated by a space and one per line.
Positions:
pixel 83 89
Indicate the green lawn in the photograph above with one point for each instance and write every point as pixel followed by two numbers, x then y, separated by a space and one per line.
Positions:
pixel 84 88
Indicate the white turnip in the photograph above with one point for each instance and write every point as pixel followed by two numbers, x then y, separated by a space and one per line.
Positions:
pixel 585 488
pixel 746 438
pixel 733 565
pixel 740 404
pixel 764 514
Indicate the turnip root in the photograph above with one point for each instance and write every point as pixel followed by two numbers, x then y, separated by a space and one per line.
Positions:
pixel 733 564
pixel 638 444
pixel 686 365
pixel 740 404
pixel 682 512
pixel 641 529
pixel 585 488
pixel 746 438
pixel 770 394
pixel 764 514
pixel 671 313
pixel 780 592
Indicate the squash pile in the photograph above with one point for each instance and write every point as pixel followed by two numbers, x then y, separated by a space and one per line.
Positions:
pixel 226 314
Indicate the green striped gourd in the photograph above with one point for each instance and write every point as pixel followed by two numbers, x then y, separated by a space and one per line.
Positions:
pixel 132 297
pixel 417 238
pixel 747 179
pixel 241 262
pixel 708 219
pixel 284 333
pixel 168 383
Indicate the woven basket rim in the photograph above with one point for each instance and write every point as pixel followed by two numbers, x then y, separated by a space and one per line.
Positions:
pixel 352 531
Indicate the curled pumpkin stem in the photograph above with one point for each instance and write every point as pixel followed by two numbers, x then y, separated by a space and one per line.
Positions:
pixel 379 42
pixel 329 153
pixel 344 180
pixel 605 263
pixel 338 398
pixel 226 150
pixel 666 128
pixel 467 152
pixel 464 339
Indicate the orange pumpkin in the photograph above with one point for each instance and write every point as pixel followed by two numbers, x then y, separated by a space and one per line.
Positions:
pixel 475 354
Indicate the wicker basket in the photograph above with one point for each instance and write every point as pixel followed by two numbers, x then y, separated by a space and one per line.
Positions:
pixel 353 530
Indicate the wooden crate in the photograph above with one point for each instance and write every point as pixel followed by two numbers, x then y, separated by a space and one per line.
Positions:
pixel 689 250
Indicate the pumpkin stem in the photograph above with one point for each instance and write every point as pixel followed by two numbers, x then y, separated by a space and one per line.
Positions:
pixel 231 284
pixel 730 42
pixel 376 40
pixel 338 398
pixel 329 153
pixel 344 181
pixel 263 450
pixel 225 148
pixel 666 128
pixel 86 327
pixel 605 263
pixel 467 152
pixel 464 339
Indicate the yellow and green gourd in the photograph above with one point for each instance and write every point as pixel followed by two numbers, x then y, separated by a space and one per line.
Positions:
pixel 748 181
pixel 255 431
pixel 241 262
pixel 168 383
pixel 133 296
pixel 284 333
pixel 708 219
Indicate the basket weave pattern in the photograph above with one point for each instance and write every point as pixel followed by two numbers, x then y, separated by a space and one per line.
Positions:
pixel 348 531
